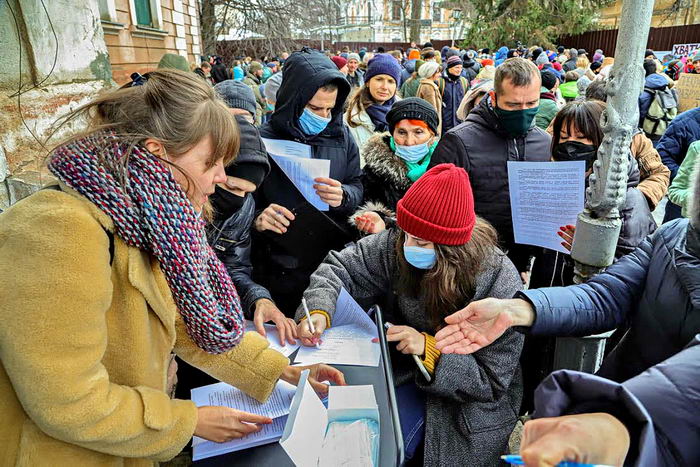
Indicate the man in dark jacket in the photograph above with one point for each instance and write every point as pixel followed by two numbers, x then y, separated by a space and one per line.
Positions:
pixel 673 145
pixel 453 87
pixel 471 66
pixel 500 129
pixel 309 110
pixel 570 64
pixel 219 72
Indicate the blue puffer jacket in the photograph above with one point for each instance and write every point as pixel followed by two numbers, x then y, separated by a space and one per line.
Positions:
pixel 659 407
pixel 680 134
pixel 654 293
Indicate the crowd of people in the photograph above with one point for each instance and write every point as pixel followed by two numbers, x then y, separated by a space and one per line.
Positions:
pixel 170 224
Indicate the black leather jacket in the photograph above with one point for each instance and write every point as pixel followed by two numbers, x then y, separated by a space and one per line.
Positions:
pixel 231 240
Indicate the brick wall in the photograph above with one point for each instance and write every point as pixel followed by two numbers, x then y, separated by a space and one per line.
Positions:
pixel 132 48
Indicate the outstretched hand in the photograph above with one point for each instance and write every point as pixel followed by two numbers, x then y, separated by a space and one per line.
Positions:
pixel 478 325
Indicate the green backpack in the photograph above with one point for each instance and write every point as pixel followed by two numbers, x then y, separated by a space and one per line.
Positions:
pixel 662 110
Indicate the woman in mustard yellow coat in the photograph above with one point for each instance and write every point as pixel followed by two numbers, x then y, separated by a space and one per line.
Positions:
pixel 106 275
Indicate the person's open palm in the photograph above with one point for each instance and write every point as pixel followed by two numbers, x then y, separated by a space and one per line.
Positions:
pixel 473 327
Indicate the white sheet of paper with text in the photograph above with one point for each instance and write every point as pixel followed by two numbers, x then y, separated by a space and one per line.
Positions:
pixel 222 394
pixel 545 196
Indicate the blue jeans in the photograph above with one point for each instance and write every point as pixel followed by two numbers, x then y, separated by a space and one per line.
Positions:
pixel 411 402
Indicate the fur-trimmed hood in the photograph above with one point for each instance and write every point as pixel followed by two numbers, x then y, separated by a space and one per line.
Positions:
pixel 380 159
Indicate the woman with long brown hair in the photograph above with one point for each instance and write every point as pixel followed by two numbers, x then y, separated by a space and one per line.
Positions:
pixel 439 259
pixel 108 272
pixel 368 106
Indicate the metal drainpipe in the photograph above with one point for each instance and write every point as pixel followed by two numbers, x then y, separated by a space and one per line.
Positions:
pixel 598 226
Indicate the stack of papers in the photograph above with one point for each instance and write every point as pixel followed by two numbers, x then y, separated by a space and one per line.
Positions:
pixel 295 161
pixel 222 394
pixel 348 341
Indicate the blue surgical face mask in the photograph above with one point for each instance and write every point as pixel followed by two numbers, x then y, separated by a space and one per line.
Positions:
pixel 312 124
pixel 421 258
pixel 412 153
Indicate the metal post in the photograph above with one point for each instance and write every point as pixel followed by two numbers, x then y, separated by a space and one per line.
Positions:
pixel 598 226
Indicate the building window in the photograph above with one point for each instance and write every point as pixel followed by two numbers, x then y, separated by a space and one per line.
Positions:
pixel 396 8
pixel 143 13
pixel 108 11
pixel 437 13
pixel 147 13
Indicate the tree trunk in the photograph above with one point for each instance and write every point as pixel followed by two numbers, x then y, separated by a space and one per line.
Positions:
pixel 207 20
pixel 416 10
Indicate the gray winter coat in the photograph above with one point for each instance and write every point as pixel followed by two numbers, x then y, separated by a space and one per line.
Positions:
pixel 473 400
pixel 231 241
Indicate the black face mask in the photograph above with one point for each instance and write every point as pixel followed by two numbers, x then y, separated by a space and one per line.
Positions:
pixel 225 203
pixel 576 151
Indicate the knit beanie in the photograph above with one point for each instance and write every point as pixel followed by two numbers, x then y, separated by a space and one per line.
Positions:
pixel 648 52
pixel 454 61
pixel 428 69
pixel 439 207
pixel 419 63
pixel 252 162
pixel 412 108
pixel 695 58
pixel 595 66
pixel 236 95
pixel 541 59
pixel 414 54
pixel 486 62
pixel 173 61
pixel 383 64
pixel 549 79
pixel 254 66
pixel 340 62
pixel 354 56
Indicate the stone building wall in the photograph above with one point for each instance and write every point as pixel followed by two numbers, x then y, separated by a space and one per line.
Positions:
pixel 53 51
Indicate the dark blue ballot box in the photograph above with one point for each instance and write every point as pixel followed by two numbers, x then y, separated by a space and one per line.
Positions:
pixel 391 439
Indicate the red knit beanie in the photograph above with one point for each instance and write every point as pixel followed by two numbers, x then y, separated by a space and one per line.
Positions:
pixel 439 206
pixel 339 61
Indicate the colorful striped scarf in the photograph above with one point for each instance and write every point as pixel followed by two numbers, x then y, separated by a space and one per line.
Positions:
pixel 151 212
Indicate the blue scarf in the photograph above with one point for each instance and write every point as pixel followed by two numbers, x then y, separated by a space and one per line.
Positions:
pixel 377 112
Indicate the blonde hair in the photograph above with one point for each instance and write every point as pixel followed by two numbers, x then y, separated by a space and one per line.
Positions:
pixel 177 109
pixel 583 62
pixel 451 284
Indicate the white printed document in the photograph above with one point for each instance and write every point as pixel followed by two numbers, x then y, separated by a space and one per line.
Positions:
pixel 222 394
pixel 348 341
pixel 545 196
pixel 283 147
pixel 273 338
pixel 295 161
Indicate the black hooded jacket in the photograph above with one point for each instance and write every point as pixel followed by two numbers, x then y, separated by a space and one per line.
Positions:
pixel 304 73
pixel 483 148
